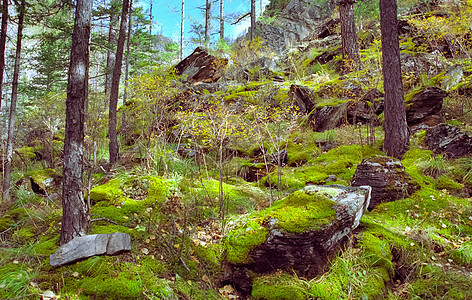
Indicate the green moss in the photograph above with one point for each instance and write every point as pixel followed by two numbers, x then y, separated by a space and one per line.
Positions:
pixel 277 287
pixel 246 95
pixel 379 248
pixel 282 95
pixel 47 245
pixel 301 152
pixel 242 240
pixel 463 254
pixel 301 212
pixel 123 286
pixel 447 183
pixel 6 222
pixel 24 234
pixel 26 152
pixel 110 192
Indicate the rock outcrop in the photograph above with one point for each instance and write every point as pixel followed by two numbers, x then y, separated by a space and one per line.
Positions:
pixel 91 245
pixel 201 67
pixel 426 103
pixel 299 233
pixel 386 176
pixel 449 140
pixel 328 116
pixel 303 97
pixel 297 21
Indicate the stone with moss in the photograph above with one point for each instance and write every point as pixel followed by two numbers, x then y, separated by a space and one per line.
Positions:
pixel 45 181
pixel 299 232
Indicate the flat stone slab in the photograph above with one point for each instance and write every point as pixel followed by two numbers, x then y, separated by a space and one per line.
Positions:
pixel 91 245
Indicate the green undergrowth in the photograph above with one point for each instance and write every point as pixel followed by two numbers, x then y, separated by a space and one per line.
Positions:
pixel 340 162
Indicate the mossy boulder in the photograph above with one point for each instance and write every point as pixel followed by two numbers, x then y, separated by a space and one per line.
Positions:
pixel 386 176
pixel 45 182
pixel 300 232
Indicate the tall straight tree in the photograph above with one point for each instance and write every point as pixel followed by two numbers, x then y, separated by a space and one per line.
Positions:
pixel 396 140
pixel 222 20
pixel 182 22
pixel 3 43
pixel 351 57
pixel 113 21
pixel 112 134
pixel 128 38
pixel 207 21
pixel 14 96
pixel 74 208
pixel 253 19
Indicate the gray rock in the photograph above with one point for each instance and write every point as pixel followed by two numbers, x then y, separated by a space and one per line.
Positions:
pixel 449 140
pixel 306 252
pixel 328 117
pixel 303 97
pixel 91 245
pixel 426 103
pixel 386 176
pixel 200 66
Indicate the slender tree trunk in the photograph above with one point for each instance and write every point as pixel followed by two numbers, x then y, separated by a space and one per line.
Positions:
pixel 253 19
pixel 351 57
pixel 182 29
pixel 14 97
pixel 110 56
pixel 125 94
pixel 3 42
pixel 74 208
pixel 150 18
pixel 207 22
pixel 113 146
pixel 396 140
pixel 222 20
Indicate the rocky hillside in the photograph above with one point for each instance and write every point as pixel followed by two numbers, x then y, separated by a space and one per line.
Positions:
pixel 260 174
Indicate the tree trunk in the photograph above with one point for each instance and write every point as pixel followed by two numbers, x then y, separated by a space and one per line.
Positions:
pixel 74 209
pixel 253 19
pixel 207 22
pixel 396 130
pixel 182 30
pixel 3 42
pixel 351 57
pixel 150 18
pixel 113 146
pixel 14 97
pixel 125 93
pixel 110 55
pixel 222 20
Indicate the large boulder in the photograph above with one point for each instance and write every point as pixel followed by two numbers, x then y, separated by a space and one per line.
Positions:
pixel 303 97
pixel 386 176
pixel 201 67
pixel 91 245
pixel 328 116
pixel 449 140
pixel 299 233
pixel 425 103
pixel 297 21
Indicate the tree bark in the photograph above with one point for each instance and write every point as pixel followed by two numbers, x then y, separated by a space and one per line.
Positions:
pixel 396 140
pixel 351 57
pixel 14 97
pixel 222 20
pixel 3 42
pixel 113 145
pixel 128 38
pixel 182 30
pixel 207 22
pixel 110 54
pixel 253 19
pixel 74 208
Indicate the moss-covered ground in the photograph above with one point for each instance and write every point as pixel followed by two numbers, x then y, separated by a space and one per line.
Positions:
pixel 180 189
